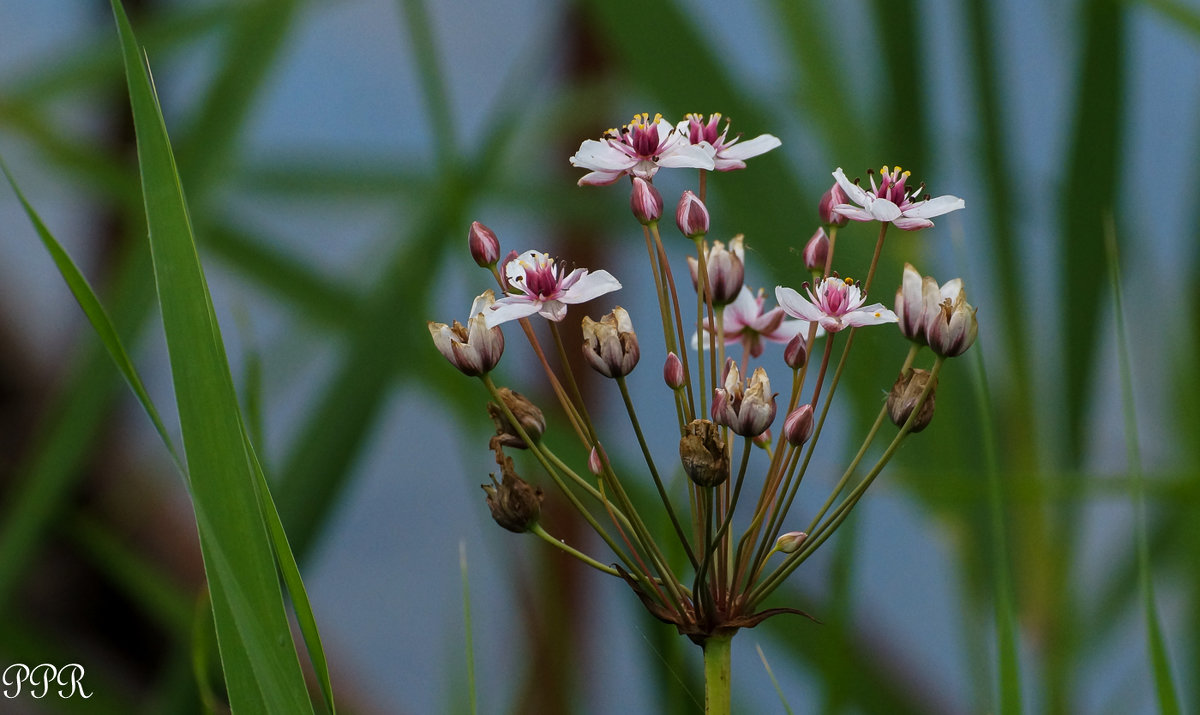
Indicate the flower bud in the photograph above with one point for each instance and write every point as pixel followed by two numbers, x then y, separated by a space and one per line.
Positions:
pixel 795 353
pixel 610 346
pixel 790 542
pixel 910 305
pixel 673 372
pixel 816 251
pixel 485 247
pixel 831 198
pixel 528 416
pixel 798 425
pixel 950 325
pixel 747 411
pixel 691 216
pixel 475 349
pixel 726 270
pixel 763 440
pixel 595 463
pixel 903 399
pixel 514 503
pixel 704 454
pixel 646 202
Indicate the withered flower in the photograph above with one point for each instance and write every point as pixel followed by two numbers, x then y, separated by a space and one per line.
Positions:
pixel 903 399
pixel 515 504
pixel 704 454
pixel 528 416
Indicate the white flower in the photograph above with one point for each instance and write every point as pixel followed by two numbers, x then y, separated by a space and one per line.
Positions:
pixel 891 203
pixel 639 149
pixel 539 287
pixel 835 304
pixel 729 155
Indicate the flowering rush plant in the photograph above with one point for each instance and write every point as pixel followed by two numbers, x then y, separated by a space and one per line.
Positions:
pixel 731 512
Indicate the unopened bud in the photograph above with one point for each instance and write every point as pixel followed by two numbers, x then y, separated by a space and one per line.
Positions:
pixel 528 416
pixel 610 346
pixel 798 425
pixel 595 462
pixel 691 216
pixel 902 400
pixel 830 199
pixel 485 247
pixel 704 454
pixel 646 202
pixel 726 270
pixel 673 372
pixel 795 353
pixel 514 503
pixel 790 542
pixel 763 440
pixel 816 251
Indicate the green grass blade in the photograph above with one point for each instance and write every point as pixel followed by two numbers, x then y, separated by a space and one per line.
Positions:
pixel 262 670
pixel 1006 629
pixel 466 595
pixel 771 674
pixel 291 576
pixel 1164 683
pixel 96 315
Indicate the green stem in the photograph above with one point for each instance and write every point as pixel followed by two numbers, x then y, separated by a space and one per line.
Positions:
pixel 717 674
pixel 540 532
pixel 662 492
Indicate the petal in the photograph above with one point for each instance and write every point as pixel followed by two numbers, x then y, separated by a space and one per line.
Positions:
pixel 795 305
pixel 600 156
pixel 853 213
pixel 600 178
pixel 884 210
pixel 874 314
pixel 905 223
pixel 590 285
pixel 688 156
pixel 511 308
pixel 760 144
pixel 787 330
pixel 853 191
pixel 554 310
pixel 728 164
pixel 935 207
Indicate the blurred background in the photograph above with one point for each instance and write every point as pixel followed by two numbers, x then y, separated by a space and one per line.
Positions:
pixel 334 154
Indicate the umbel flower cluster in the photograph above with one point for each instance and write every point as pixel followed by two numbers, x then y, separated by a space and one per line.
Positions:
pixel 735 525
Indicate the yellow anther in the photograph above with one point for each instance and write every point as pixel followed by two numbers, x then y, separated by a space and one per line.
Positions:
pixel 898 170
pixel 848 280
pixel 657 117
pixel 884 170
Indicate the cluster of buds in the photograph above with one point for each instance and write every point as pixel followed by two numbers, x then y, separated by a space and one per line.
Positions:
pixel 714 404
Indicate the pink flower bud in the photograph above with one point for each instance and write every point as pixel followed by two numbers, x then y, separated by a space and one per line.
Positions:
pixel 595 463
pixel 485 247
pixel 910 305
pixel 798 425
pixel 691 216
pixel 726 270
pixel 673 372
pixel 831 198
pixel 790 542
pixel 816 251
pixel 795 354
pixel 763 440
pixel 646 202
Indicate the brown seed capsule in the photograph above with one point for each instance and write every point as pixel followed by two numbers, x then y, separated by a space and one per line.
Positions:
pixel 903 399
pixel 514 503
pixel 704 454
pixel 528 416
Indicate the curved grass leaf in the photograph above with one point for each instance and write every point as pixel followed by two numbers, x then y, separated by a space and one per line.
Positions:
pixel 262 670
